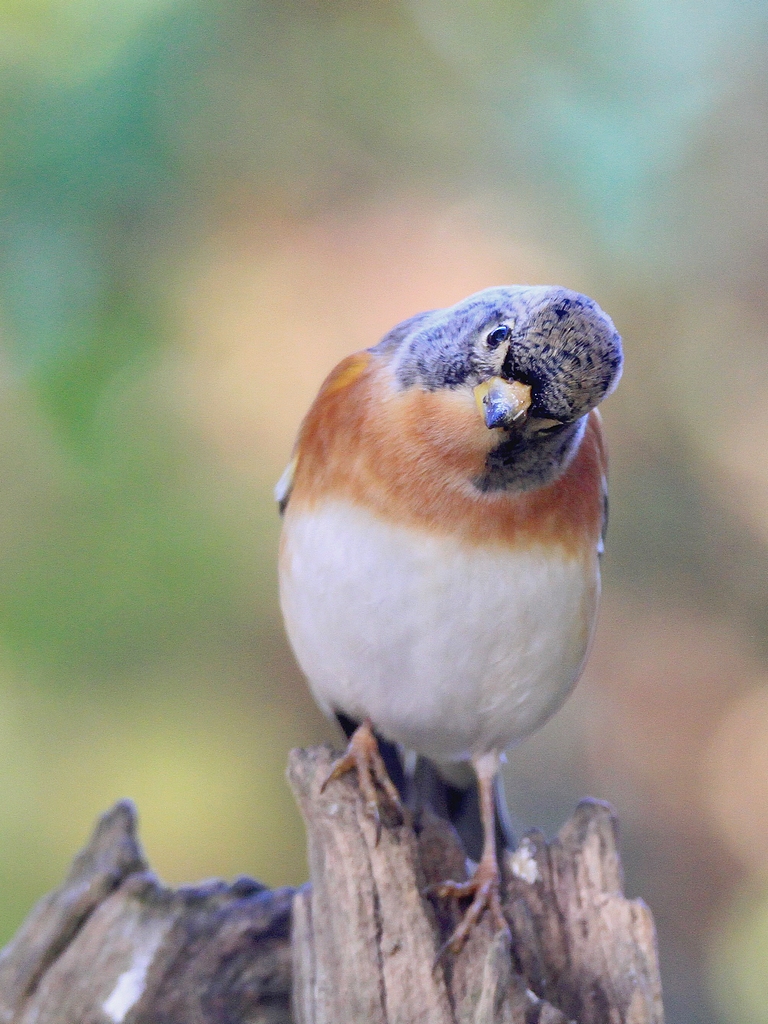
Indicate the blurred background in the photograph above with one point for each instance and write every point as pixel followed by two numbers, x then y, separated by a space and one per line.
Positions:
pixel 204 204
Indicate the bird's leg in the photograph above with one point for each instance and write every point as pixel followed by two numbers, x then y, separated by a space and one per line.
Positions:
pixel 362 755
pixel 484 885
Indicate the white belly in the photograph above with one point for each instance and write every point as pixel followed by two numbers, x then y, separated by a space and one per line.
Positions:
pixel 450 650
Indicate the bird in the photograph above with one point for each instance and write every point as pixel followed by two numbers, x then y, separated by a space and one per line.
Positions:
pixel 444 512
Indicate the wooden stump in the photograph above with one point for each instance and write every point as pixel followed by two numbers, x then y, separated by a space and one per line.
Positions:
pixel 365 941
pixel 113 946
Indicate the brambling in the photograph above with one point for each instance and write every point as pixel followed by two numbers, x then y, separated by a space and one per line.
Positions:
pixel 444 513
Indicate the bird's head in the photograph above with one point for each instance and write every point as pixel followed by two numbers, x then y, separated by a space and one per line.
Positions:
pixel 536 358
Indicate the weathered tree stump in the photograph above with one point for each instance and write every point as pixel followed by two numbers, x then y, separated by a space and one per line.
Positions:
pixel 365 941
pixel 114 946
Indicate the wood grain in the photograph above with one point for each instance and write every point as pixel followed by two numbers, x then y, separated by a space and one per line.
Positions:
pixel 365 939
pixel 357 944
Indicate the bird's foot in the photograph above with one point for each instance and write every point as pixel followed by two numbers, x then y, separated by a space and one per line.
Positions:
pixel 362 755
pixel 484 887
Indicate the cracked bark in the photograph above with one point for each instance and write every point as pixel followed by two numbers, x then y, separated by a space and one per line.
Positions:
pixel 580 950
pixel 114 946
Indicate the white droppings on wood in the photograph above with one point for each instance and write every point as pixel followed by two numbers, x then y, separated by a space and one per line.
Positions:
pixel 523 862
pixel 131 983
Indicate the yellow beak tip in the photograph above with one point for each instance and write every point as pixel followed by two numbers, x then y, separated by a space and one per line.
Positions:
pixel 502 403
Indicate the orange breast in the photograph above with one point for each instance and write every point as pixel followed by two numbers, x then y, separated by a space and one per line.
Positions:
pixel 410 457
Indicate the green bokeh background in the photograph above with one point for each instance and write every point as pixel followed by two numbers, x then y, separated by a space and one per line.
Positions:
pixel 178 174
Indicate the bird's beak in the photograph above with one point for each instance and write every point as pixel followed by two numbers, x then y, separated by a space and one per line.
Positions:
pixel 503 403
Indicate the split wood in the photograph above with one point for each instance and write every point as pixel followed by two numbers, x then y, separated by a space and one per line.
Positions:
pixel 357 945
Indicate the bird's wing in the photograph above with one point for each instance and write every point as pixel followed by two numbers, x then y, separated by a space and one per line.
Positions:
pixel 339 380
pixel 284 485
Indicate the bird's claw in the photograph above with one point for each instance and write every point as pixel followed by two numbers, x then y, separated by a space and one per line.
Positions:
pixel 362 755
pixel 484 888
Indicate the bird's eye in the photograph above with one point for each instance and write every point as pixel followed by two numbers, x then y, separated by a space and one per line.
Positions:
pixel 498 336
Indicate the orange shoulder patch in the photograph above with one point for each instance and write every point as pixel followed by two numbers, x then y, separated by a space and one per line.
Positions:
pixel 346 373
